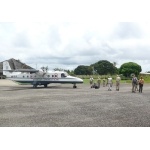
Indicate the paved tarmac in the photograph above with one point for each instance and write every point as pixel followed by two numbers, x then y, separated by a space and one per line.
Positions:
pixel 60 105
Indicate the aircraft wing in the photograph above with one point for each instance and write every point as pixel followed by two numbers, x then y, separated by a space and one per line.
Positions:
pixel 22 70
pixel 26 70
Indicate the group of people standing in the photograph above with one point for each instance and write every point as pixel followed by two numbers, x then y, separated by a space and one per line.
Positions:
pixel 109 82
pixel 106 82
pixel 136 83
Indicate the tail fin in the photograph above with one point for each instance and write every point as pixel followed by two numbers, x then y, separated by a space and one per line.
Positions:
pixel 6 69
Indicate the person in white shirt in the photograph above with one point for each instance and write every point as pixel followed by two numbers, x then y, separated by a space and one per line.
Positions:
pixel 109 83
pixel 91 81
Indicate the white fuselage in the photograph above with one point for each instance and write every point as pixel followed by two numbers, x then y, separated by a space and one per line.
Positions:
pixel 43 78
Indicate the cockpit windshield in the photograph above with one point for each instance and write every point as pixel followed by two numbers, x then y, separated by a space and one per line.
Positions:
pixel 65 74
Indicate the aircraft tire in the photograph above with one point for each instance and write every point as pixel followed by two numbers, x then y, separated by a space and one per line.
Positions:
pixel 74 86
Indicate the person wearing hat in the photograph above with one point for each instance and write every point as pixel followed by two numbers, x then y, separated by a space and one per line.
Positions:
pixel 118 82
pixel 109 83
pixel 104 82
pixel 98 82
pixel 91 81
pixel 134 83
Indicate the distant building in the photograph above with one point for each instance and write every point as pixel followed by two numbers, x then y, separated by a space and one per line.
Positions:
pixel 14 64
pixel 144 74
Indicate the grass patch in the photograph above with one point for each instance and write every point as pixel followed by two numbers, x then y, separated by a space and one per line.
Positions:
pixel 87 81
pixel 86 78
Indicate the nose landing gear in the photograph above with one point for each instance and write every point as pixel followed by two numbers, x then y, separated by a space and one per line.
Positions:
pixel 34 85
pixel 45 85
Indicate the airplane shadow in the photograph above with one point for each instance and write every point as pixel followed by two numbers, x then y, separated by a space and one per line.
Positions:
pixel 37 88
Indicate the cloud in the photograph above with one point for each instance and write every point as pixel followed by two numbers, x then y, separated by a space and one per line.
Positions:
pixel 128 30
pixel 21 41
pixel 69 44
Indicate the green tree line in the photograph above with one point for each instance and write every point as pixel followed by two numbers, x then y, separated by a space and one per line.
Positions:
pixel 104 67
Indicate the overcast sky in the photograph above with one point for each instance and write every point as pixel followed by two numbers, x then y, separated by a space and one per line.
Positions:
pixel 69 33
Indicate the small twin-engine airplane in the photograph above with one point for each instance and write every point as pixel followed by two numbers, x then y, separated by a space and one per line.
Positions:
pixel 38 77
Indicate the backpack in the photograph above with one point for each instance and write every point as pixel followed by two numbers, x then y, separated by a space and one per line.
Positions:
pixel 135 80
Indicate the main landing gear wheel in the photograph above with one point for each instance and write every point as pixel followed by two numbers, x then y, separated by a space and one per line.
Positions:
pixel 74 86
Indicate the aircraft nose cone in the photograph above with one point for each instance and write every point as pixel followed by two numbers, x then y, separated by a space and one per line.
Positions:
pixel 80 80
